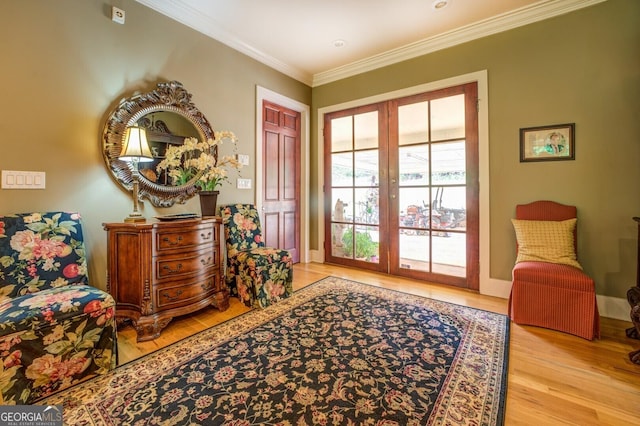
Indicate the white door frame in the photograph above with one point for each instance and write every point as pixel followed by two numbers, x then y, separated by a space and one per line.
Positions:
pixel 487 285
pixel 263 94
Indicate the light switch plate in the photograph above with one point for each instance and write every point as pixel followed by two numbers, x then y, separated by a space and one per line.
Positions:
pixel 243 159
pixel 244 183
pixel 13 179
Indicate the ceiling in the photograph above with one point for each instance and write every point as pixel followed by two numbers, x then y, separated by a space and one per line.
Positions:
pixel 318 41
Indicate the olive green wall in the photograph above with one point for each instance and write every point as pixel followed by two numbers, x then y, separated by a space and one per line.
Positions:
pixel 65 65
pixel 582 68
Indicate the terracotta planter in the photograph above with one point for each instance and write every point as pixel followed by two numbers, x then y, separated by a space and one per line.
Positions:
pixel 208 201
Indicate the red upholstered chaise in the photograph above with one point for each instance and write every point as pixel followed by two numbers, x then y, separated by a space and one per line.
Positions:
pixel 555 296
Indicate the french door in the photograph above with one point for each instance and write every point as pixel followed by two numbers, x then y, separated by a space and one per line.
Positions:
pixel 401 186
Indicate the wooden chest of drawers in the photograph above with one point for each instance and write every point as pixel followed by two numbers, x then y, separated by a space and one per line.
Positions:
pixel 159 270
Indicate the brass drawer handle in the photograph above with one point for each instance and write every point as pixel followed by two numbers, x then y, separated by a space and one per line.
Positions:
pixel 206 261
pixel 172 298
pixel 173 271
pixel 173 243
pixel 205 236
pixel 206 287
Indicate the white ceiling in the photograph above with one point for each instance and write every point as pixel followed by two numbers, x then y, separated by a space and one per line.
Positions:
pixel 298 37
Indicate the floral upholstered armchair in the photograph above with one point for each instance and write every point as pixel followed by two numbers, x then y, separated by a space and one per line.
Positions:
pixel 256 274
pixel 55 329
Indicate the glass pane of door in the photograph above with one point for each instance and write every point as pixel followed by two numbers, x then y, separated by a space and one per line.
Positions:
pixel 413 123
pixel 431 187
pixel 354 172
pixel 448 118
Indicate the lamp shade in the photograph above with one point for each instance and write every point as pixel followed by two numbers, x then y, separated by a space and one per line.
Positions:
pixel 135 146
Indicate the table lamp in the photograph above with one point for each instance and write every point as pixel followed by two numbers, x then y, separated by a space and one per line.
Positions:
pixel 135 149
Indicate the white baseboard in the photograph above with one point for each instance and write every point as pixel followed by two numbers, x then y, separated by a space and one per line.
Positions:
pixel 496 288
pixel 316 256
pixel 614 307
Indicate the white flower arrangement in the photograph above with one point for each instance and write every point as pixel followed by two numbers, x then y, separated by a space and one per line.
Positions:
pixel 199 159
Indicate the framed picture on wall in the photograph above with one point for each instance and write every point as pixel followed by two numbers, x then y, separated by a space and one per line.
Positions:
pixel 548 143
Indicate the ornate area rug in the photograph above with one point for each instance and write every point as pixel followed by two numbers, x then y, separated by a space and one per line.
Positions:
pixel 337 352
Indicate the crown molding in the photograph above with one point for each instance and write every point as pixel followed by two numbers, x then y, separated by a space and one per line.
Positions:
pixel 179 11
pixel 507 21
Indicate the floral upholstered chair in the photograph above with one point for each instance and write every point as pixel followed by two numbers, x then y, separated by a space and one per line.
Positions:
pixel 55 329
pixel 256 274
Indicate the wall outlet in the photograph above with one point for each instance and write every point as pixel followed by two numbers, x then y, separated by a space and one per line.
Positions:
pixel 244 183
pixel 243 159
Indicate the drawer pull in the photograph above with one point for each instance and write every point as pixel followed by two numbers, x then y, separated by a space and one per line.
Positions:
pixel 207 286
pixel 173 271
pixel 173 243
pixel 206 261
pixel 172 298
pixel 206 236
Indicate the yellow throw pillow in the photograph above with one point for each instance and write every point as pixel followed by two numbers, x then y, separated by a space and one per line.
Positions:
pixel 546 241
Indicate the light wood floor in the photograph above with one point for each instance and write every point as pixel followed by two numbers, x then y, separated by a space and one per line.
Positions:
pixel 554 378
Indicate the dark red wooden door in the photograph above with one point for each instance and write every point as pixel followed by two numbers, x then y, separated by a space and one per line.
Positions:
pixel 281 178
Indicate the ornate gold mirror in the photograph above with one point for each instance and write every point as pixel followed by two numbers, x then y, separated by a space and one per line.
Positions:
pixel 169 117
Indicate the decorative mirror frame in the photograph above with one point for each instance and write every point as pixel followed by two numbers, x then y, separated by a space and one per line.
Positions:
pixel 167 97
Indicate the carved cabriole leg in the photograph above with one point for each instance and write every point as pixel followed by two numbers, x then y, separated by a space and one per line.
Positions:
pixel 149 330
pixel 633 296
pixel 221 300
